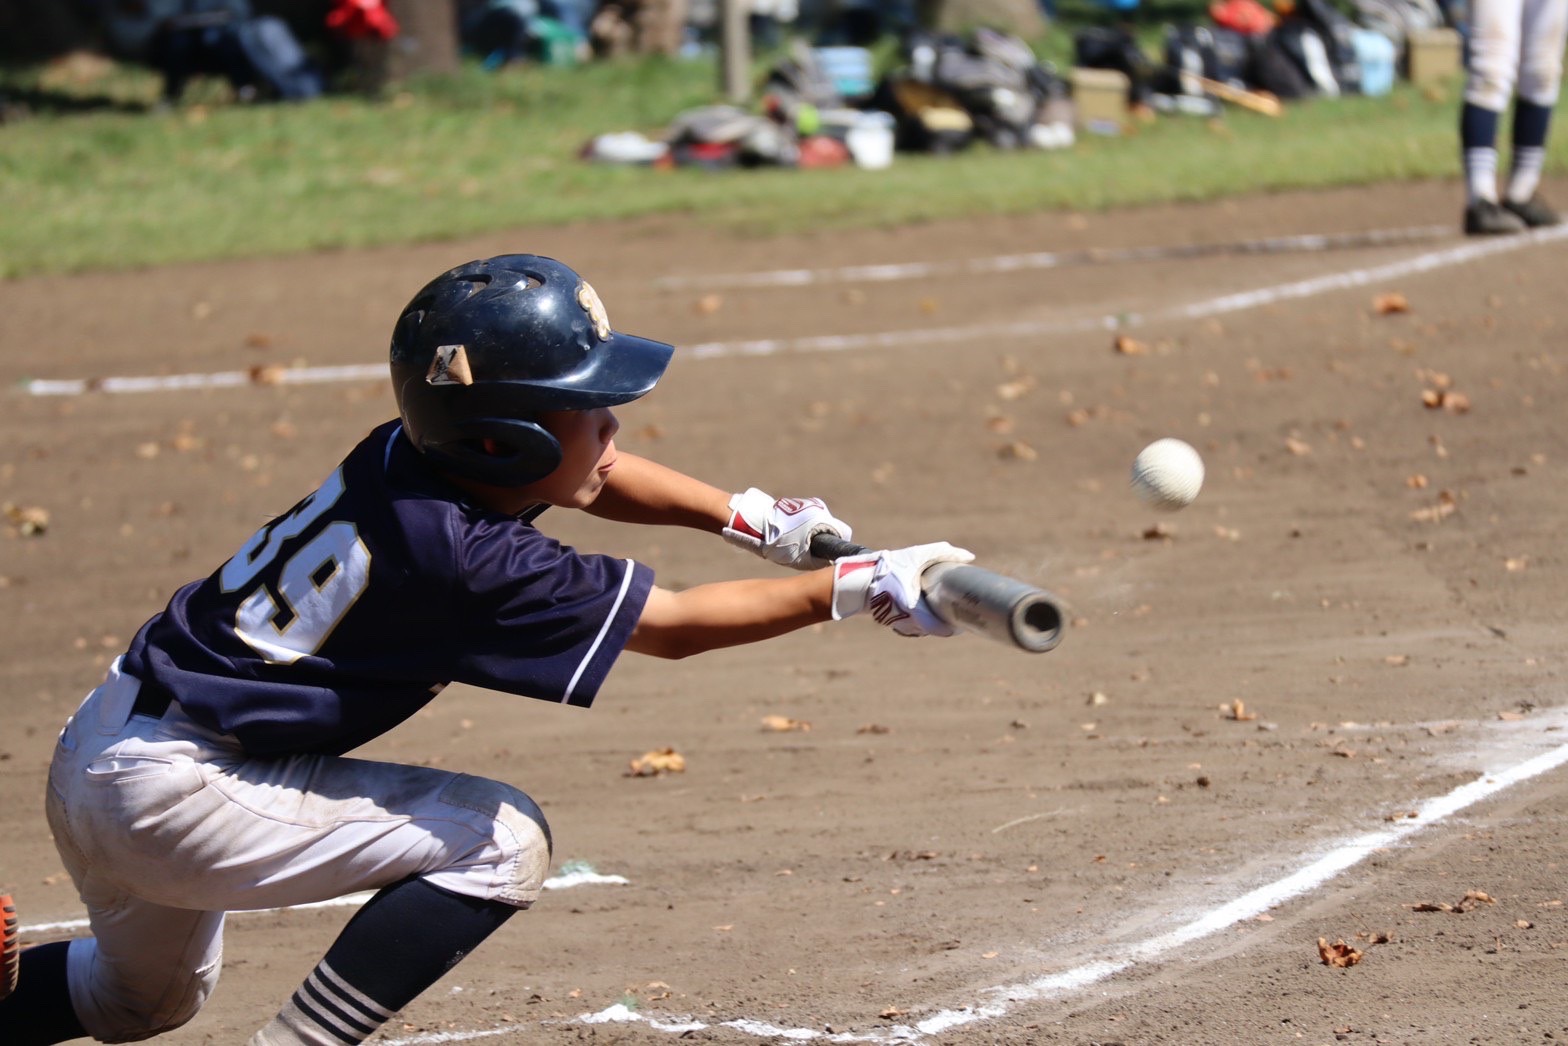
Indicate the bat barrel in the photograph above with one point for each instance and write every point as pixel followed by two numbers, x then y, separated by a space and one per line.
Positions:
pixel 975 599
pixel 994 605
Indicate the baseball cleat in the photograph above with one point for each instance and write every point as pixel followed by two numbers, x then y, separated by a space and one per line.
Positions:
pixel 1490 218
pixel 10 945
pixel 1534 212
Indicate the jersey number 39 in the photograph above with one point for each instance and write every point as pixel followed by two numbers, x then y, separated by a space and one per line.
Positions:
pixel 299 601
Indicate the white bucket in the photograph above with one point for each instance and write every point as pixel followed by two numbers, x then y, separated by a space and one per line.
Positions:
pixel 870 141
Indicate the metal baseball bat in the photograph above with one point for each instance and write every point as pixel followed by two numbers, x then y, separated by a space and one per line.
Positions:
pixel 976 600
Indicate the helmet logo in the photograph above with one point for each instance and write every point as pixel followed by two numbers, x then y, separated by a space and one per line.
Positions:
pixel 588 298
pixel 449 366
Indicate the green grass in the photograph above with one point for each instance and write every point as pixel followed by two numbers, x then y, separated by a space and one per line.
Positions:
pixel 103 183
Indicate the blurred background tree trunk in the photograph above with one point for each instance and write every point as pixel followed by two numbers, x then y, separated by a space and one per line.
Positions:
pixel 1020 17
pixel 426 43
pixel 661 26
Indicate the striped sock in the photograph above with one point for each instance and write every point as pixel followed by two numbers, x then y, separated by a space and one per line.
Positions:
pixel 399 943
pixel 1531 124
pixel 1481 175
pixel 1525 177
pixel 325 1011
pixel 1478 142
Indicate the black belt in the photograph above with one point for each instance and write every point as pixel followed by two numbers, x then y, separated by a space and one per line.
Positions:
pixel 152 700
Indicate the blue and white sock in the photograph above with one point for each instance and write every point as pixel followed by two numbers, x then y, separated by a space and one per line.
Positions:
pixel 1531 124
pixel 1478 142
pixel 400 943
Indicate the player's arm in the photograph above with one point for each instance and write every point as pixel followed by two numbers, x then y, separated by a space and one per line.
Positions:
pixel 777 529
pixel 730 613
pixel 644 491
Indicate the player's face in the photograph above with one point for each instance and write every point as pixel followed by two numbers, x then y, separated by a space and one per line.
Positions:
pixel 587 439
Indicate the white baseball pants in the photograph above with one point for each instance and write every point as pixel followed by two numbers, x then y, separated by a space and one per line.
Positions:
pixel 1515 44
pixel 165 826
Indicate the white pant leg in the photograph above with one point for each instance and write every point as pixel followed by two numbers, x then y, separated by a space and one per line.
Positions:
pixel 152 816
pixel 1545 28
pixel 1493 68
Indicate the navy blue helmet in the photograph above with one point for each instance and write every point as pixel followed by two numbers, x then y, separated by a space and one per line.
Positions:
pixel 486 347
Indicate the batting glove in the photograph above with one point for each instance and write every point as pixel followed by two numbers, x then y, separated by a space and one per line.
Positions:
pixel 780 530
pixel 888 584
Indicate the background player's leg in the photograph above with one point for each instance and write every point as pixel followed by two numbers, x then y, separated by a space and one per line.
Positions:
pixel 38 1011
pixel 400 943
pixel 1540 76
pixel 1491 72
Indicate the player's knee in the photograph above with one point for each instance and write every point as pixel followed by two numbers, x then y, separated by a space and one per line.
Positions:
pixel 132 1019
pixel 1490 83
pixel 1540 81
pixel 514 866
pixel 521 818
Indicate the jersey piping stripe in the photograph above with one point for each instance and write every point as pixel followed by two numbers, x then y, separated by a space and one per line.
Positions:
pixel 386 459
pixel 609 619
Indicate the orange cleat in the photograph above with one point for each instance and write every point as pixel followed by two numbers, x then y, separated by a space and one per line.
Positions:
pixel 10 945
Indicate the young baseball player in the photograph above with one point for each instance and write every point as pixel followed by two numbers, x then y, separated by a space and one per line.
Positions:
pixel 207 774
pixel 1514 45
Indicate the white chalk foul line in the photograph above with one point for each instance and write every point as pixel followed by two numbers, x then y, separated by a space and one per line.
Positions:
pixel 1338 858
pixel 1427 262
pixel 888 273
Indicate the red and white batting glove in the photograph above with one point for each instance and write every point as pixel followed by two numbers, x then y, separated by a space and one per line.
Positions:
pixel 888 585
pixel 780 530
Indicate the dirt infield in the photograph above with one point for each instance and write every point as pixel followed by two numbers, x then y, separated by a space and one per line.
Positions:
pixel 1274 700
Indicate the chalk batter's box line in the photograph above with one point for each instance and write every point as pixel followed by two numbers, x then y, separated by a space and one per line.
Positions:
pixel 1422 263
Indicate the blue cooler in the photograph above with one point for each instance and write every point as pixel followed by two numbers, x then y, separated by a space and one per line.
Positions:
pixel 849 68
pixel 1377 56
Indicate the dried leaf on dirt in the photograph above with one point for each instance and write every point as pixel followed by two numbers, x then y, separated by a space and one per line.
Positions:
pixel 1445 399
pixel 1130 346
pixel 29 521
pixel 1471 900
pixel 1011 390
pixel 1390 302
pixel 1447 505
pixel 658 761
pixel 890 1013
pixel 1159 532
pixel 1523 924
pixel 1018 451
pixel 873 728
pixel 1299 447
pixel 1237 711
pixel 1338 954
pixel 783 724
pixel 1397 660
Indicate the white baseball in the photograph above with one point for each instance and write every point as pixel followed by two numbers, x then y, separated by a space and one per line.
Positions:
pixel 1167 474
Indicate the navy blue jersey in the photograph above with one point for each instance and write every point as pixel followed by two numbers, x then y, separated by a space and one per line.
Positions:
pixel 344 616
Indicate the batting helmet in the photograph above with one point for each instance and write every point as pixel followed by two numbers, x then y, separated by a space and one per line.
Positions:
pixel 486 347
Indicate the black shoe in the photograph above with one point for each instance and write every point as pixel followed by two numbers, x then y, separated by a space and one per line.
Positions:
pixel 1534 212
pixel 10 946
pixel 1490 218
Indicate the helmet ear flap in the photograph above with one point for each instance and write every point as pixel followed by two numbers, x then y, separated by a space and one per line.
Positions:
pixel 501 452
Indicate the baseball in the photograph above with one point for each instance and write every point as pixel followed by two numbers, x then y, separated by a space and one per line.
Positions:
pixel 1167 474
